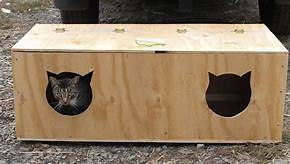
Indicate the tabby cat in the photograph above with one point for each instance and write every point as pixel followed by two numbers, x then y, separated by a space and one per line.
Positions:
pixel 69 93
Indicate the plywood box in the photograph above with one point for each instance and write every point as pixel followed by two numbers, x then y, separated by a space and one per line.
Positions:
pixel 150 83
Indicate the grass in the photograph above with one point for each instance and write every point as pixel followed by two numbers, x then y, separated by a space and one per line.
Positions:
pixel 286 137
pixel 20 6
pixel 29 5
pixel 267 152
pixel 263 152
pixel 4 22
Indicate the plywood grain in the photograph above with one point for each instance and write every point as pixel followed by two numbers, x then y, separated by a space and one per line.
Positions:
pixel 149 97
pixel 198 38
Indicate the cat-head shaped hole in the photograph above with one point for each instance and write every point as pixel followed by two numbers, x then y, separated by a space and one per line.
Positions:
pixel 228 94
pixel 69 93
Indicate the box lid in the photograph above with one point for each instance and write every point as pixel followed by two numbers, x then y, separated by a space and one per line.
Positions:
pixel 255 38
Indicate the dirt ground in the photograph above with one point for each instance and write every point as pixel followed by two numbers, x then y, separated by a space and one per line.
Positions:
pixel 24 14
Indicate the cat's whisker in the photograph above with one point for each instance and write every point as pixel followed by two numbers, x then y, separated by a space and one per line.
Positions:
pixel 56 102
pixel 76 107
pixel 58 106
pixel 73 110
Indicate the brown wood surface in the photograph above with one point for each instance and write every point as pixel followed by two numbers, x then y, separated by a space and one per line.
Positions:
pixel 198 38
pixel 149 97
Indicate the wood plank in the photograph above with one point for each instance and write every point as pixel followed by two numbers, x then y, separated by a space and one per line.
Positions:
pixel 198 38
pixel 149 97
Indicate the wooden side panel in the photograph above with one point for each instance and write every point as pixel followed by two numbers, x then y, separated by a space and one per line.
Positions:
pixel 150 97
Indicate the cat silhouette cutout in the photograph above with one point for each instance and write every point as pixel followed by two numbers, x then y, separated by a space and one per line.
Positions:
pixel 69 93
pixel 228 95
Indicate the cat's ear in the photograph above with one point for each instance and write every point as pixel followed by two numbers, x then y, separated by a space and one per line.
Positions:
pixel 247 76
pixel 52 80
pixel 211 76
pixel 75 80
pixel 88 77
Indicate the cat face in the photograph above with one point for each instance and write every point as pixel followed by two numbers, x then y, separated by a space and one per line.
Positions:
pixel 66 91
pixel 69 93
pixel 228 94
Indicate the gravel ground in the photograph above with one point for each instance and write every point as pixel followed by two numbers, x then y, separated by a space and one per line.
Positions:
pixel 23 16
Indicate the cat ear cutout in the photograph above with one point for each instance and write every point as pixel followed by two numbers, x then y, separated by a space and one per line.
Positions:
pixel 88 77
pixel 211 76
pixel 247 76
pixel 50 74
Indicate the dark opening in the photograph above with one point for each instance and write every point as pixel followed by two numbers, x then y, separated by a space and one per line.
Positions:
pixel 69 93
pixel 228 95
pixel 161 52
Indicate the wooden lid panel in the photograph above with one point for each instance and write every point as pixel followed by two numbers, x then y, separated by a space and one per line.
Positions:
pixel 150 38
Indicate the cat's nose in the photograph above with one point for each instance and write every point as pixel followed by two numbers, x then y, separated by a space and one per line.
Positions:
pixel 65 103
pixel 65 100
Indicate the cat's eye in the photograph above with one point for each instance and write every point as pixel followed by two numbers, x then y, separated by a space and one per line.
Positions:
pixel 71 94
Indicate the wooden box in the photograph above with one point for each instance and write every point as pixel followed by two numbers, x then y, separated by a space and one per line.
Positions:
pixel 150 83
